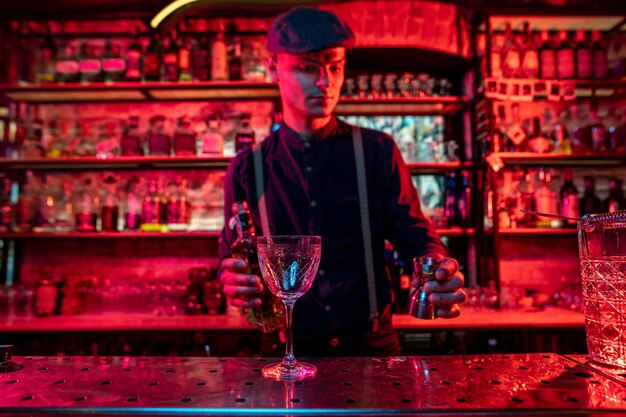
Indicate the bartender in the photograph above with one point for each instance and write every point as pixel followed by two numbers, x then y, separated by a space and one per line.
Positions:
pixel 311 184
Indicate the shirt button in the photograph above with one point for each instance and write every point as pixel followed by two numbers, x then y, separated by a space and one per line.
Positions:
pixel 309 169
pixel 334 342
pixel 307 145
pixel 320 272
pixel 313 203
pixel 327 307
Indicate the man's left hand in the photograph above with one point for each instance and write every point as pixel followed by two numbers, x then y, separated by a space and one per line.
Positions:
pixel 447 290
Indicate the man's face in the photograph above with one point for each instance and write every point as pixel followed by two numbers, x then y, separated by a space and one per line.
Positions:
pixel 310 84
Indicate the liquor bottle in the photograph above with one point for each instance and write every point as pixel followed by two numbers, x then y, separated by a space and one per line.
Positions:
pixel 47 52
pixel 134 59
pixel 511 55
pixel 211 141
pixel 113 64
pixel 244 139
pixel 59 141
pixel 33 143
pixel 527 199
pixel 219 58
pixel 86 208
pixel 269 315
pixel 184 141
pixel 547 57
pixel 515 131
pixel 200 60
pixel 131 142
pixel 583 56
pixel 562 144
pixel 151 209
pixel 132 216
pixel 178 207
pixel 545 197
pixel 497 44
pixel 235 66
pixel 108 143
pixel 565 57
pixel 27 59
pixel 530 55
pixel 65 221
pixel 569 198
pixel 450 209
pixel 254 62
pixel 464 200
pixel 590 203
pixel 86 141
pixel 400 281
pixel 538 142
pixel 6 205
pixel 157 141
pixel 26 208
pixel 152 61
pixel 598 54
pixel 110 209
pixel 169 69
pixel 184 60
pixel 89 63
pixel 597 132
pixel 66 68
pixel 615 201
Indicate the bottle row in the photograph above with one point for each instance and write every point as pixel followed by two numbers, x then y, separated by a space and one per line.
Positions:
pixel 108 203
pixel 169 57
pixel 536 190
pixel 556 55
pixel 391 85
pixel 577 129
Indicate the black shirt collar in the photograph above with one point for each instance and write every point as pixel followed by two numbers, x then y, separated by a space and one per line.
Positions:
pixel 291 138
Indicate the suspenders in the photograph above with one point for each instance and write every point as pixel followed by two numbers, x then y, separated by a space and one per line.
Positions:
pixel 357 144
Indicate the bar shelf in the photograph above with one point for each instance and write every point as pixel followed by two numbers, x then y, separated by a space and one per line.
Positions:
pixel 538 232
pixel 600 159
pixel 437 167
pixel 408 106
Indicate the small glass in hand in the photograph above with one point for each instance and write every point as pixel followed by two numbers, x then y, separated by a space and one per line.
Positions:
pixel 289 265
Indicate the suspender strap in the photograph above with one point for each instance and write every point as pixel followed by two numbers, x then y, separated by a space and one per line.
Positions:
pixel 365 224
pixel 260 188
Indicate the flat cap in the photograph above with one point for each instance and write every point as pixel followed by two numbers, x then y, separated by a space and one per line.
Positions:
pixel 306 29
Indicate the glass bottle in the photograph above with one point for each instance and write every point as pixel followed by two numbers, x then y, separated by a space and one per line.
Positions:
pixel 538 142
pixel 583 55
pixel 464 201
pixel 545 197
pixel 45 67
pixel 511 55
pixel 547 57
pixel 565 57
pixel 615 201
pixel 32 147
pixel 169 69
pixel 178 207
pixel 66 67
pixel 134 58
pixel 590 203
pixel 562 144
pixel 6 205
pixel 244 139
pixel 152 61
pixel 598 54
pixel 211 140
pixel 132 216
pixel 131 142
pixel 113 64
pixel 530 55
pixel 108 144
pixel 200 59
pixel 184 140
pixel 569 198
pixel 450 212
pixel 65 220
pixel 497 44
pixel 235 69
pixel 26 208
pixel 219 58
pixel 110 208
pixel 598 133
pixel 85 212
pixel 157 141
pixel 184 60
pixel 269 315
pixel 254 62
pixel 86 141
pixel 151 209
pixel 89 63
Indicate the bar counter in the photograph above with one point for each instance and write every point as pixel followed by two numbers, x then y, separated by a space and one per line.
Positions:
pixel 523 384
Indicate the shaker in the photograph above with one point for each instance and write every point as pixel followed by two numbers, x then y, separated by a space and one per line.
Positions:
pixel 419 306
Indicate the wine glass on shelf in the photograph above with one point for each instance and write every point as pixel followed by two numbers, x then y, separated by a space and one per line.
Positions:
pixel 289 265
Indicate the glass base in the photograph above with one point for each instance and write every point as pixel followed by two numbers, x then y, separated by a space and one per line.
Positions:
pixel 295 372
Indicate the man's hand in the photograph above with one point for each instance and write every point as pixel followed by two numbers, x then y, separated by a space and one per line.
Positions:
pixel 239 286
pixel 447 290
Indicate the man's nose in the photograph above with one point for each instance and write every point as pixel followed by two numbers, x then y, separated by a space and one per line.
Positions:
pixel 323 79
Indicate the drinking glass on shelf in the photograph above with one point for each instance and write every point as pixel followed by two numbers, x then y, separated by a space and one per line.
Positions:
pixel 289 265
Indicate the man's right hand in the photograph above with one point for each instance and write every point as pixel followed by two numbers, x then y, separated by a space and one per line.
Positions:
pixel 239 286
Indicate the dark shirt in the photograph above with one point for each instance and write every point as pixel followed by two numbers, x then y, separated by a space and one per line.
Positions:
pixel 311 189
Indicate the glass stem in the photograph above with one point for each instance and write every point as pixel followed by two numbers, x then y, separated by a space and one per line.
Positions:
pixel 289 358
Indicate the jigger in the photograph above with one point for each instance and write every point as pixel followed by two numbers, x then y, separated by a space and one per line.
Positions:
pixel 419 306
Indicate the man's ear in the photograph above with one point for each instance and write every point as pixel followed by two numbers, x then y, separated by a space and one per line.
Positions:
pixel 271 67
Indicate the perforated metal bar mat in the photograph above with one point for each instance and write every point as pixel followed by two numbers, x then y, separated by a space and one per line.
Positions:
pixel 530 384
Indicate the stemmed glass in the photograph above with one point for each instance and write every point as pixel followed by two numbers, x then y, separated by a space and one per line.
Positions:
pixel 289 265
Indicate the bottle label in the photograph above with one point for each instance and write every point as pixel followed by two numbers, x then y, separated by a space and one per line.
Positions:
pixel 159 144
pixel 184 142
pixel 219 64
pixel 548 64
pixel 496 65
pixel 114 65
pixel 212 144
pixel 184 59
pixel 583 63
pixel 151 66
pixel 133 70
pixel 599 64
pixel 565 63
pixel 90 66
pixel 170 67
pixel 530 65
pixel 131 146
pixel 67 67
pixel 511 64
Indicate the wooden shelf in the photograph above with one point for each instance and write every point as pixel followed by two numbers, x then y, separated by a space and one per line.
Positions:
pixel 538 232
pixel 397 106
pixel 456 231
pixel 115 163
pixel 437 167
pixel 603 159
pixel 111 235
